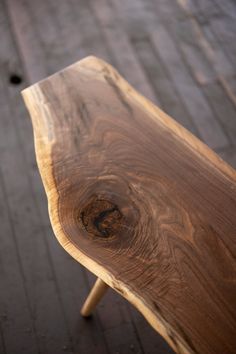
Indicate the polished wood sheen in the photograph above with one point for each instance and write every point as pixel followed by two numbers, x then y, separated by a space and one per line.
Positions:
pixel 140 202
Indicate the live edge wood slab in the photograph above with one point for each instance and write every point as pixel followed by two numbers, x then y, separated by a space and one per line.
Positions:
pixel 140 202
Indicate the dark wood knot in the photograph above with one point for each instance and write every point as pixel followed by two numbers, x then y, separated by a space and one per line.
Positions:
pixel 102 218
pixel 15 79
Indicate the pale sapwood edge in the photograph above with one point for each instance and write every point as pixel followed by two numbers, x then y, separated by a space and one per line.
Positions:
pixel 94 66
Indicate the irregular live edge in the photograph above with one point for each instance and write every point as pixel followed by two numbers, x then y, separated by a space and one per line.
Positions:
pixel 140 202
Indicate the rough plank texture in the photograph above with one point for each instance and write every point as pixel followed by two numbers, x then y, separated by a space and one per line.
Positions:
pixel 140 201
pixel 37 39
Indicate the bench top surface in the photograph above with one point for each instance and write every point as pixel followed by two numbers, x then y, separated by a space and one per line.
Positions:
pixel 140 202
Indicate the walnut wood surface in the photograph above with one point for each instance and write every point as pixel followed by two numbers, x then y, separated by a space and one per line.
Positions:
pixel 140 202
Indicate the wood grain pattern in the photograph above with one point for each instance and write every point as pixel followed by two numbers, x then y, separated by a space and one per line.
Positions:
pixel 140 202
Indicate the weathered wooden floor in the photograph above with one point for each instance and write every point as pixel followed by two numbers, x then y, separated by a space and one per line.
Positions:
pixel 179 53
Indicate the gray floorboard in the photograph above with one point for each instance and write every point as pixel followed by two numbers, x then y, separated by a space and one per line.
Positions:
pixel 181 55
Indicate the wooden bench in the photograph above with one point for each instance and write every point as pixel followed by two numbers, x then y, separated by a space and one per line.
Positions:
pixel 140 202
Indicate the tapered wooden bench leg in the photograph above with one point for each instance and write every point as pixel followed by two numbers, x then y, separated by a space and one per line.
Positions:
pixel 94 297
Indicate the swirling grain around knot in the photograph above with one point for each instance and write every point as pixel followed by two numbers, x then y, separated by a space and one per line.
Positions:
pixel 140 202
